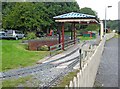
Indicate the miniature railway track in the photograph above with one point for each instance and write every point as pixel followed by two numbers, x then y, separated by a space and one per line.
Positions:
pixel 34 69
pixel 44 67
pixel 49 84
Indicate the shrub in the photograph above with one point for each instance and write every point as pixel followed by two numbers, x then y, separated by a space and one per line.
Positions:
pixel 25 46
pixel 43 48
pixel 30 35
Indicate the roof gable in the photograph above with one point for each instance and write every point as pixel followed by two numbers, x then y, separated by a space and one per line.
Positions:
pixel 74 15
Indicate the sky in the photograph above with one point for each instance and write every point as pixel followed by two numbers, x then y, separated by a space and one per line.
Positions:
pixel 100 5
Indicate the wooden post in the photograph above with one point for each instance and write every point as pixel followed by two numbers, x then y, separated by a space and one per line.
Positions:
pixel 90 34
pixel 74 32
pixel 59 33
pixel 62 36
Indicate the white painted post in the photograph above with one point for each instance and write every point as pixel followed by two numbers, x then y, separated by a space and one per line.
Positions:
pixel 78 79
pixel 101 30
pixel 75 82
pixel 81 78
pixel 71 85
pixel 66 87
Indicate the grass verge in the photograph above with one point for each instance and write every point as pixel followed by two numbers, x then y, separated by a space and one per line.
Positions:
pixel 117 36
pixel 14 55
pixel 20 82
pixel 66 80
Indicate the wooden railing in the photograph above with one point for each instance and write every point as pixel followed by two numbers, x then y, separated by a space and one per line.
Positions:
pixel 69 43
pixel 55 48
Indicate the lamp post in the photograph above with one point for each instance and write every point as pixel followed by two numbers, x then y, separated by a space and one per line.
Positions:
pixel 106 16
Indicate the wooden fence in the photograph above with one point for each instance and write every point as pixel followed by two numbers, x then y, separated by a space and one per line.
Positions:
pixel 90 60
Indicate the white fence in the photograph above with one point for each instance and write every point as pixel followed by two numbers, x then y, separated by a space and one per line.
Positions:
pixel 86 76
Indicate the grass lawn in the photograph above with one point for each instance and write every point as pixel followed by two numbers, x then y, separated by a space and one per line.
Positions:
pixel 82 38
pixel 21 82
pixel 68 33
pixel 15 82
pixel 15 56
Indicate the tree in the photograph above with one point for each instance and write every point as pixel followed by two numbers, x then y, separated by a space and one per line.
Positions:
pixel 32 16
pixel 92 27
pixel 112 24
pixel 89 11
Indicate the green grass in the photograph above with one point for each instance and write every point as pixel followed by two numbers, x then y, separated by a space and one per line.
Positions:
pixel 14 55
pixel 85 38
pixel 66 80
pixel 117 36
pixel 17 82
pixel 68 33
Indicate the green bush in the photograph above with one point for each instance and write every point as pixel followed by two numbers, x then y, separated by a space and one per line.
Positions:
pixel 25 46
pixel 30 35
pixel 43 48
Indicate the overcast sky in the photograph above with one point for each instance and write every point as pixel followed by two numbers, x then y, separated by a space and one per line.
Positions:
pixel 99 7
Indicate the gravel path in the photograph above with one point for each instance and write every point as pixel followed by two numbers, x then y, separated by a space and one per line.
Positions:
pixel 108 71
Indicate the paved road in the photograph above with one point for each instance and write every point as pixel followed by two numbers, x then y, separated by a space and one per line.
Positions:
pixel 108 71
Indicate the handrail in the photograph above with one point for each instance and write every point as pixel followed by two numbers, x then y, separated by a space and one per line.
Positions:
pixel 70 42
pixel 55 48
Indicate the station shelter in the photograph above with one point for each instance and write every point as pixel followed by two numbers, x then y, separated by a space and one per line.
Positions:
pixel 76 18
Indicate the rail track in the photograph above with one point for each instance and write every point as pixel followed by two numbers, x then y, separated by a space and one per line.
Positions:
pixel 34 69
pixel 38 68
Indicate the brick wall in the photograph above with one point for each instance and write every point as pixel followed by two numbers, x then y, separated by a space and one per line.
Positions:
pixel 34 44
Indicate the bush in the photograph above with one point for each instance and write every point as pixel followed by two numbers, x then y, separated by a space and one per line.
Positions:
pixel 43 48
pixel 25 46
pixel 30 35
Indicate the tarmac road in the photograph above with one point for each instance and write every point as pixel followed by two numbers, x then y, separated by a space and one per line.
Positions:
pixel 107 75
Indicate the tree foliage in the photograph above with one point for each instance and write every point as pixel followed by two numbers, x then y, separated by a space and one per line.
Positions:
pixel 112 24
pixel 92 27
pixel 89 11
pixel 32 16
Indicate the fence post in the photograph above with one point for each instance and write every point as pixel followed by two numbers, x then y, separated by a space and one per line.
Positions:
pixel 78 78
pixel 75 82
pixel 66 87
pixel 50 51
pixel 80 57
pixel 71 85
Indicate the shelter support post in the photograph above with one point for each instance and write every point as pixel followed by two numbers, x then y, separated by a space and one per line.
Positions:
pixel 74 32
pixel 62 36
pixel 101 30
pixel 59 33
